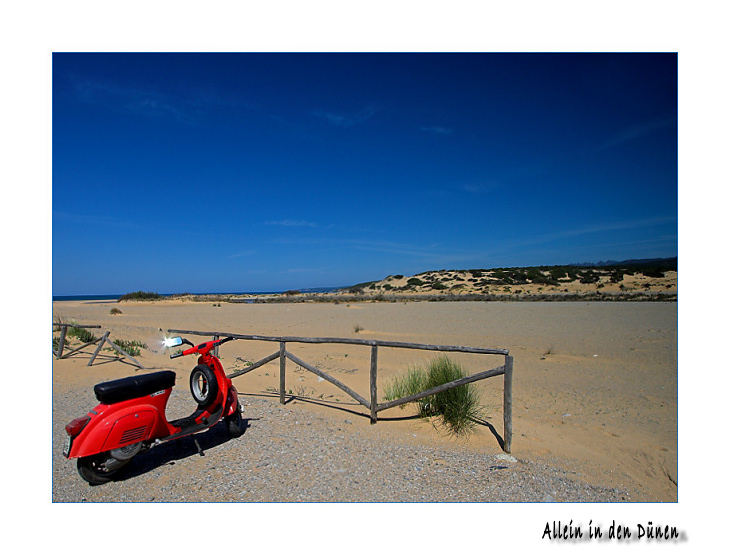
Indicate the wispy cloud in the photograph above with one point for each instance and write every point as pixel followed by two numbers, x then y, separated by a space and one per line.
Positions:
pixel 434 253
pixel 146 102
pixel 612 226
pixel 188 108
pixel 389 247
pixel 588 230
pixel 662 241
pixel 474 188
pixel 244 253
pixel 446 254
pixel 345 119
pixel 292 223
pixel 305 270
pixel 479 188
pixel 437 130
pixel 634 132
pixel 94 220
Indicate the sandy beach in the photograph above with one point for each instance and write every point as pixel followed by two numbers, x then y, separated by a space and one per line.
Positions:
pixel 595 384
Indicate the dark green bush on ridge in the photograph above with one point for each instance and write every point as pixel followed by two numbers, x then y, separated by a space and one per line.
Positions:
pixel 140 296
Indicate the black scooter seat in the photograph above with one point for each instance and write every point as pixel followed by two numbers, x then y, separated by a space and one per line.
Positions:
pixel 123 389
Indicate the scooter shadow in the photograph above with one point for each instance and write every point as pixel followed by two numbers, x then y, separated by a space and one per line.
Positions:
pixel 178 449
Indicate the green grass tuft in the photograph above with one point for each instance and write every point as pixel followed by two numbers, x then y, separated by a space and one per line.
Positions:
pixel 456 408
pixel 412 382
pixel 131 347
pixel 82 334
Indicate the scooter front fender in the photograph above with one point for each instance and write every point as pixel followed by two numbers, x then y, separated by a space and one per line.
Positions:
pixel 232 401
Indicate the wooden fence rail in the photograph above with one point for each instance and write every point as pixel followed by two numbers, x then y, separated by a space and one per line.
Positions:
pixel 372 405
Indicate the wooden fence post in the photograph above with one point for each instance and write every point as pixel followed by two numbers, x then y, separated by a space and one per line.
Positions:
pixel 373 384
pixel 507 409
pixel 98 348
pixel 59 354
pixel 282 371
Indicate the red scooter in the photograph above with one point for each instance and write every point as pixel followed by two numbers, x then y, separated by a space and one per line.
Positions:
pixel 131 415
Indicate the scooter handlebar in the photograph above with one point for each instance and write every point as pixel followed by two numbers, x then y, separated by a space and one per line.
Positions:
pixel 206 346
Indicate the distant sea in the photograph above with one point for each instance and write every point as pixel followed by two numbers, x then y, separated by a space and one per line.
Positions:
pixel 115 297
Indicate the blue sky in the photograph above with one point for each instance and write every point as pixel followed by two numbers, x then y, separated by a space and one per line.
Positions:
pixel 261 172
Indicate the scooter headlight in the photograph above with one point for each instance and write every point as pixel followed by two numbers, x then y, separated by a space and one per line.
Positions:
pixel 172 341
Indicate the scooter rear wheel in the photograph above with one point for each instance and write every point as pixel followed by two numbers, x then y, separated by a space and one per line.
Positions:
pixel 93 469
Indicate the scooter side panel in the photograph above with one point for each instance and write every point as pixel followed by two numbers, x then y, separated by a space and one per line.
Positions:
pixel 97 437
pixel 132 428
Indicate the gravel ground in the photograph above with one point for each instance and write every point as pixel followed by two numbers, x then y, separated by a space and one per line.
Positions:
pixel 289 453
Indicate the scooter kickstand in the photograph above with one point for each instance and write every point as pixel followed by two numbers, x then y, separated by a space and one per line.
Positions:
pixel 200 451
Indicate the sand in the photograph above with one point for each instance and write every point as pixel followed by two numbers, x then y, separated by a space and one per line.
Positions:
pixel 595 384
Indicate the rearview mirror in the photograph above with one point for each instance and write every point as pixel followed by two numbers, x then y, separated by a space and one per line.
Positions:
pixel 173 341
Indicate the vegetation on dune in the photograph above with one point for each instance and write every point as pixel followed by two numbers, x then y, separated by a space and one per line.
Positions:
pixel 360 287
pixel 485 295
pixel 455 409
pixel 140 296
pixel 132 347
pixel 115 310
pixel 551 276
pixel 82 334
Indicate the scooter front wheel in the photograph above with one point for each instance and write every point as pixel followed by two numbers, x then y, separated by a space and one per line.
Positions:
pixel 235 424
pixel 99 469
pixel 203 384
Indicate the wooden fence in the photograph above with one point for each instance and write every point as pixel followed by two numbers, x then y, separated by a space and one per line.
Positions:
pixel 372 403
pixel 98 341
